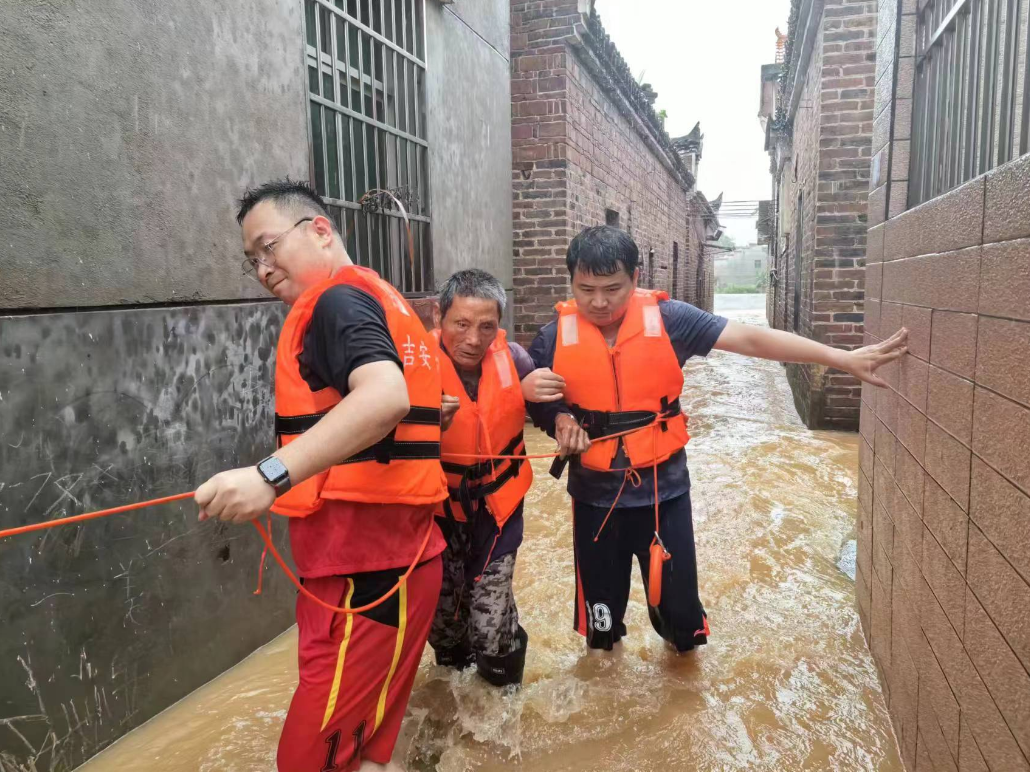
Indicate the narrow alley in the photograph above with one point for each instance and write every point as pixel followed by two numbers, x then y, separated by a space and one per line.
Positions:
pixel 786 683
pixel 333 260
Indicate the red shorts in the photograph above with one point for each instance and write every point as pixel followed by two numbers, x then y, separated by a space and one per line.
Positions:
pixel 356 671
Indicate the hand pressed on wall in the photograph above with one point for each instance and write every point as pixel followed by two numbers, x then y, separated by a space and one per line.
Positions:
pixel 864 362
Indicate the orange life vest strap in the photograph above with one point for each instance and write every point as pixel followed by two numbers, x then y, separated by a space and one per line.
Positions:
pixel 482 469
pixel 386 449
pixel 601 423
pixel 466 493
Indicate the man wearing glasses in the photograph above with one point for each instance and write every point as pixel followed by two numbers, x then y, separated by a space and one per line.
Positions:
pixel 357 471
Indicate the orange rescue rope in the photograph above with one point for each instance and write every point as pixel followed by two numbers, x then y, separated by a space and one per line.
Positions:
pixel 269 546
pixel 658 554
pixel 262 532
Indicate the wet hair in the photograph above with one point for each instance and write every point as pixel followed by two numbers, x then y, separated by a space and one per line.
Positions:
pixel 601 251
pixel 472 283
pixel 295 198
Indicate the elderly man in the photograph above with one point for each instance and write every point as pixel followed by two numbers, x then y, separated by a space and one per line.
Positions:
pixel 485 381
pixel 357 471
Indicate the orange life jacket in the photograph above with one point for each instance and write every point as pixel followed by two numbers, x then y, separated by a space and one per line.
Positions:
pixel 611 390
pixel 403 468
pixel 492 425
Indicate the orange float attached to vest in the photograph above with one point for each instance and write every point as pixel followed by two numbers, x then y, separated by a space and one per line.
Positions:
pixel 403 468
pixel 490 426
pixel 629 385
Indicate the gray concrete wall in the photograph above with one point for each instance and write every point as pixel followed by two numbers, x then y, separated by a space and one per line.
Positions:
pixel 107 622
pixel 469 114
pixel 127 128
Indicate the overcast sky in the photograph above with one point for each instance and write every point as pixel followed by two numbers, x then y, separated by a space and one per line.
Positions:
pixel 704 59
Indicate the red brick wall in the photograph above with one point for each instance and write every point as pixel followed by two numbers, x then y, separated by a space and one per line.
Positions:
pixel 574 156
pixel 611 168
pixel 944 487
pixel 829 170
pixel 539 114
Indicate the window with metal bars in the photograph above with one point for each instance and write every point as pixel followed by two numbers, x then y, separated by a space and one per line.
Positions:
pixel 366 89
pixel 971 110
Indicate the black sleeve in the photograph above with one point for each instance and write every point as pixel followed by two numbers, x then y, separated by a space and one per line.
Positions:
pixel 523 362
pixel 692 331
pixel 541 351
pixel 348 329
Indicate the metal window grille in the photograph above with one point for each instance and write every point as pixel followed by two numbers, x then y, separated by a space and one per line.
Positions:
pixel 366 83
pixel 971 109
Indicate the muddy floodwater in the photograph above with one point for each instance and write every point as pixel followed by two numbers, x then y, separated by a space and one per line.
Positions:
pixel 786 682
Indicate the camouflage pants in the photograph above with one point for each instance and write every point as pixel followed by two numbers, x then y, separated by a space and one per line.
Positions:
pixel 478 616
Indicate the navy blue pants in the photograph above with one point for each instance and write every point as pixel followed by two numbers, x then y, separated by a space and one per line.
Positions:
pixel 603 572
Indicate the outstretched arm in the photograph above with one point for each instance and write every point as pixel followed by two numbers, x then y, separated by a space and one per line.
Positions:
pixel 784 347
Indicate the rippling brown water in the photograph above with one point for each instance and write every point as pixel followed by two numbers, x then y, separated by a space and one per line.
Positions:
pixel 786 682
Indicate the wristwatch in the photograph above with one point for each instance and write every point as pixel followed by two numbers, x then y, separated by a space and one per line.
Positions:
pixel 275 473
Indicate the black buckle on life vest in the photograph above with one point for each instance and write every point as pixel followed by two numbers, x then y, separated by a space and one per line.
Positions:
pixel 383 450
pixel 466 493
pixel 397 451
pixel 601 423
pixel 484 468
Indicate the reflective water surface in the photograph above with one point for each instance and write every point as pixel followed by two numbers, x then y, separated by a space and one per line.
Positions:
pixel 786 682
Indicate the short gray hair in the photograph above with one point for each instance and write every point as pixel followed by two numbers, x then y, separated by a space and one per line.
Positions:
pixel 472 283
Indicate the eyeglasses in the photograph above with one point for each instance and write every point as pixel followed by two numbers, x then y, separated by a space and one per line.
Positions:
pixel 266 252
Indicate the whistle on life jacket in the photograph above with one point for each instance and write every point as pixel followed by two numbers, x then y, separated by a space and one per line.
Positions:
pixel 654 582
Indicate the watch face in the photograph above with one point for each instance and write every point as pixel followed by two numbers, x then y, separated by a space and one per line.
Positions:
pixel 273 469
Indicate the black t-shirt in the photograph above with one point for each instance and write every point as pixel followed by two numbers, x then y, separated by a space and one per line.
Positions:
pixel 348 329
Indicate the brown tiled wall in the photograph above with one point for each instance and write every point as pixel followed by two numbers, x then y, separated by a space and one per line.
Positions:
pixel 944 486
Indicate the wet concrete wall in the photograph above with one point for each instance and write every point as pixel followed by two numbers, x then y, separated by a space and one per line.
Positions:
pixel 109 621
pixel 127 130
pixel 468 89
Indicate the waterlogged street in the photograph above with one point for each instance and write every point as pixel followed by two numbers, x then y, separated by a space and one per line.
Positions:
pixel 786 682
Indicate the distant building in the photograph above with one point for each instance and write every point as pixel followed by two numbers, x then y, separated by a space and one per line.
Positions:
pixel 743 267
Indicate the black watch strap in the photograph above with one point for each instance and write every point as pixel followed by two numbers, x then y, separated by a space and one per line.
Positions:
pixel 274 472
